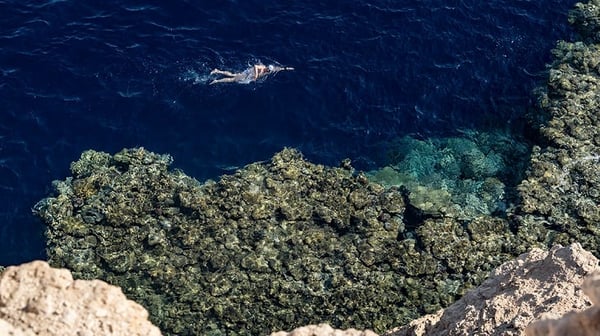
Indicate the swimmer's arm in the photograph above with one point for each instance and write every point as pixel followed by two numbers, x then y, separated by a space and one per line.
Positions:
pixel 278 68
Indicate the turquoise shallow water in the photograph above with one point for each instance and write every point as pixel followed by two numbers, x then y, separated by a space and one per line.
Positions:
pixel 106 76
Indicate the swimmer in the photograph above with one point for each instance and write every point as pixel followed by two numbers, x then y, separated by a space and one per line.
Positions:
pixel 249 75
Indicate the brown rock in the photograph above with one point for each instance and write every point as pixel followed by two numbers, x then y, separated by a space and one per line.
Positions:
pixel 323 330
pixel 8 329
pixel 585 323
pixel 36 299
pixel 538 284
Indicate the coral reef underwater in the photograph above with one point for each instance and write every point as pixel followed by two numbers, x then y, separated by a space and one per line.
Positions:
pixel 459 177
pixel 561 193
pixel 273 246
pixel 284 243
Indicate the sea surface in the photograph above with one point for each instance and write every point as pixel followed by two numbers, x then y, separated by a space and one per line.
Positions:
pixel 104 75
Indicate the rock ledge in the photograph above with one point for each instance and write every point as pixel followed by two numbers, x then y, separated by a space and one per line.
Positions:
pixel 36 299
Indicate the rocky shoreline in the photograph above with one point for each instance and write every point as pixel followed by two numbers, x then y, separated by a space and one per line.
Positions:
pixel 36 299
pixel 286 243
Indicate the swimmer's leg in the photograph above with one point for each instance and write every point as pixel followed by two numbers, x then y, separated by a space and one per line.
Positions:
pixel 223 80
pixel 222 72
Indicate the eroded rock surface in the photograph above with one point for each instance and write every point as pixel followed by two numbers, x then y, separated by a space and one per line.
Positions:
pixel 36 299
pixel 538 284
pixel 323 330
pixel 584 323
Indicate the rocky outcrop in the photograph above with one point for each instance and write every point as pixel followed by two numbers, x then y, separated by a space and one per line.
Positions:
pixel 36 299
pixel 538 284
pixel 585 323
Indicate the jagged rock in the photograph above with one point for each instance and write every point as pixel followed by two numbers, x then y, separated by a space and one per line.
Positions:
pixel 36 299
pixel 323 330
pixel 585 323
pixel 535 285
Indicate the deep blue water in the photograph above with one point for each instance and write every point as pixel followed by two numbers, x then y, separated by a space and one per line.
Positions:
pixel 105 75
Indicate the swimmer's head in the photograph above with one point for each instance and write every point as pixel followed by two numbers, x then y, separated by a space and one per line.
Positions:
pixel 271 67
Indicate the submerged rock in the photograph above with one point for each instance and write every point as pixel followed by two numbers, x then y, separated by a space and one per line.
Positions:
pixel 585 20
pixel 273 246
pixel 561 194
pixel 458 177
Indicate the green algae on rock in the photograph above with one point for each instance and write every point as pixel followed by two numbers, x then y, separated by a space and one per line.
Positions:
pixel 273 246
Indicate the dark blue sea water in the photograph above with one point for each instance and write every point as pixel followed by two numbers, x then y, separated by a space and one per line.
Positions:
pixel 105 75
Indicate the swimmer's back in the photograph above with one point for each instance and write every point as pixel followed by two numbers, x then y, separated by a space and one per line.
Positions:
pixel 246 76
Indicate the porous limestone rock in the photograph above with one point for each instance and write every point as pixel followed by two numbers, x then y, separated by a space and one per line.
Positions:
pixel 585 323
pixel 538 284
pixel 323 330
pixel 36 299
